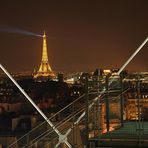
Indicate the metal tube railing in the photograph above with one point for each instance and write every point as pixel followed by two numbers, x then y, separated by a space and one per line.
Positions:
pixel 57 126
pixel 45 121
pixel 32 102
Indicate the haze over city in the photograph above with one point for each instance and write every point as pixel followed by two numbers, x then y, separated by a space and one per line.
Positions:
pixel 74 73
pixel 81 35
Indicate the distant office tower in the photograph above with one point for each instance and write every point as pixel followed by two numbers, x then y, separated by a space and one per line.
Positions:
pixel 45 70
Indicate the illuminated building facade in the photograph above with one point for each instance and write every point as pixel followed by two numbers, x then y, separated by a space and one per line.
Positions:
pixel 132 107
pixel 137 101
pixel 45 70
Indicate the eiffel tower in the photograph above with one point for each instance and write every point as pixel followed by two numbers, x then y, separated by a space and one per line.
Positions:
pixel 45 70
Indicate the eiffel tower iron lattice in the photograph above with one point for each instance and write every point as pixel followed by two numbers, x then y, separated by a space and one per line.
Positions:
pixel 45 68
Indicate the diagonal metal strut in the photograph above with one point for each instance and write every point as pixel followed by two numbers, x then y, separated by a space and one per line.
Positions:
pixel 36 107
pixel 63 138
pixel 102 92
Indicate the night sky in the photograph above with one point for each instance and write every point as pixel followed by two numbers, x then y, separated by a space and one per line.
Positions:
pixel 81 35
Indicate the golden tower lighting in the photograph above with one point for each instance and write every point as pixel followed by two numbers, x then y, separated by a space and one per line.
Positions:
pixel 44 69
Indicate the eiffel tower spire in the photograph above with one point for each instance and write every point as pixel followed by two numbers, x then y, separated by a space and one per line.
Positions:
pixel 44 69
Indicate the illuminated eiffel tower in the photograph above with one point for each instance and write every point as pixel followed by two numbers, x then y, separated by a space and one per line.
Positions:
pixel 45 70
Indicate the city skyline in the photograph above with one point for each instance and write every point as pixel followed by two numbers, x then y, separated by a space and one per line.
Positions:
pixel 81 36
